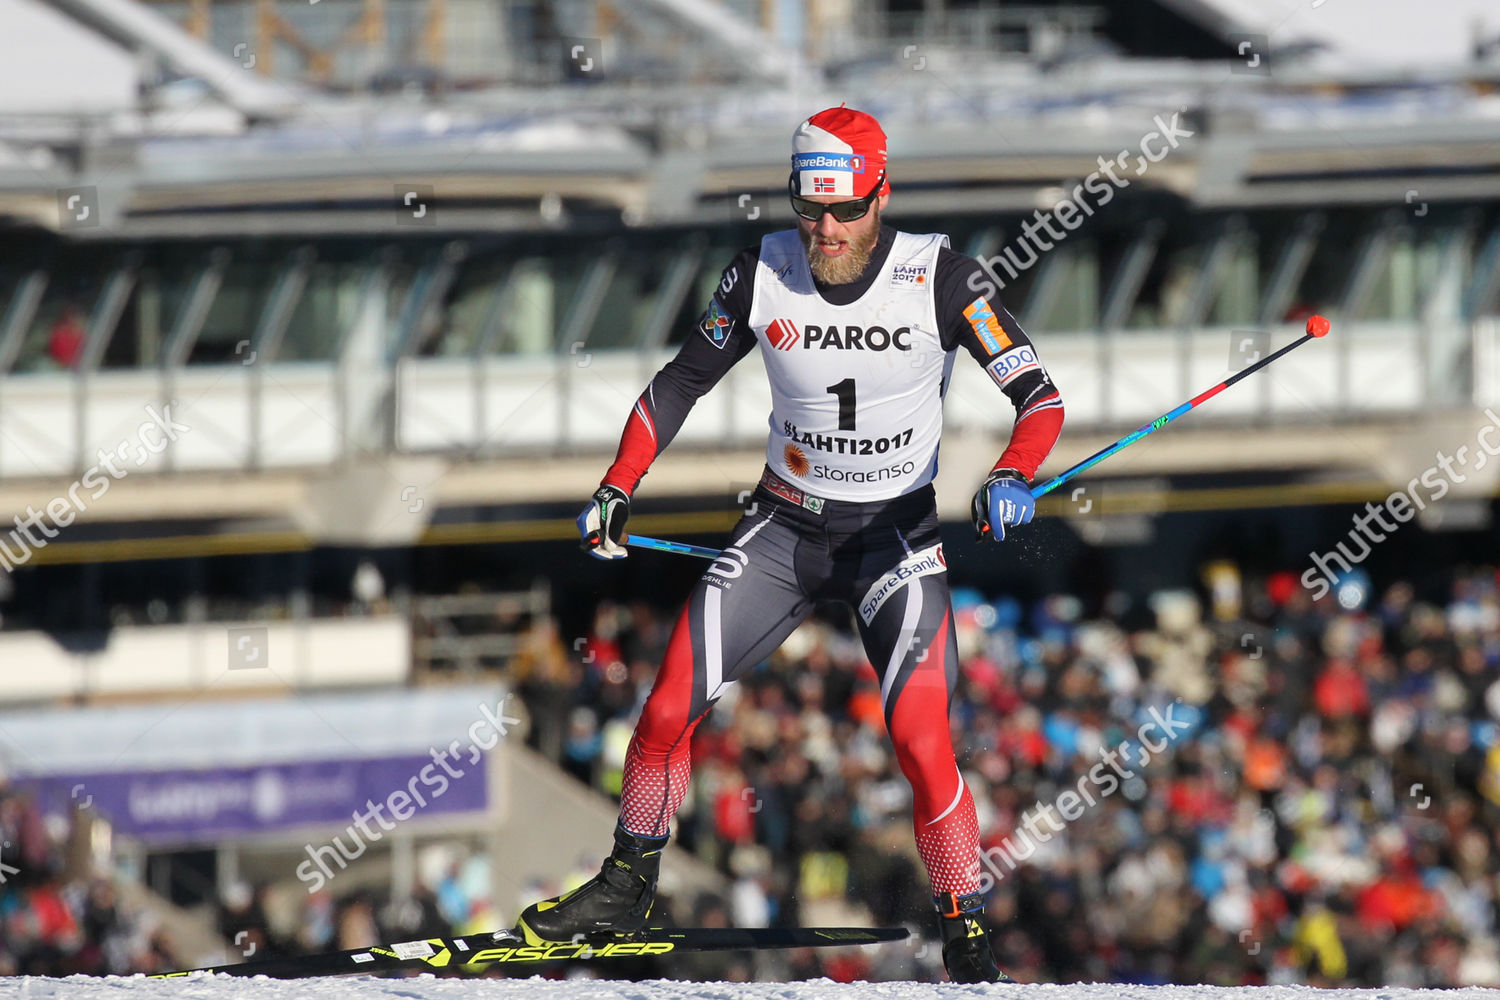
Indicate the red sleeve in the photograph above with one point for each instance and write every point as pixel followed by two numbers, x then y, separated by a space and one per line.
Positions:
pixel 1038 426
pixel 639 445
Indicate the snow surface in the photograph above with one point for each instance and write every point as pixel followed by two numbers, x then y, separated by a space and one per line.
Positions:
pixel 431 988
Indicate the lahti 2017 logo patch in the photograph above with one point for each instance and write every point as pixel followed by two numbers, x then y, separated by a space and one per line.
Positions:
pixel 909 276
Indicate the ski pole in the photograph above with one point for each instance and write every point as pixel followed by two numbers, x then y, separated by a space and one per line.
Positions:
pixel 662 545
pixel 1317 326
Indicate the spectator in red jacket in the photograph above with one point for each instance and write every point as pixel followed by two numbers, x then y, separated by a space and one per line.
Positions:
pixel 1340 692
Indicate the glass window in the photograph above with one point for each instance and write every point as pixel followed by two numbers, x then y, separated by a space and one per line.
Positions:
pixel 327 307
pixel 542 294
pixel 162 289
pixel 402 266
pixel 1326 280
pixel 530 318
pixel 1165 295
pixel 12 274
pixel 1235 298
pixel 1412 270
pixel 632 295
pixel 1076 306
pixel 1017 261
pixel 237 308
pixel 469 305
pixel 1016 292
pixel 1270 239
pixel 55 338
pixel 994 243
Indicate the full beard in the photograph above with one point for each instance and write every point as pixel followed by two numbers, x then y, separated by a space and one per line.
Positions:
pixel 850 264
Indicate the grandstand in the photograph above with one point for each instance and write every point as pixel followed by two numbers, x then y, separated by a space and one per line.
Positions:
pixel 365 291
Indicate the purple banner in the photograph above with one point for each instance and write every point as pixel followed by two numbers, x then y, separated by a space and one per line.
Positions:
pixel 187 806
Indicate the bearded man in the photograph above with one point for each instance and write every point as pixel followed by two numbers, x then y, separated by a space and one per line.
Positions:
pixel 859 325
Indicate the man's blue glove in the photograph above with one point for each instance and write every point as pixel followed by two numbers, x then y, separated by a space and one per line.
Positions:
pixel 1004 499
pixel 602 523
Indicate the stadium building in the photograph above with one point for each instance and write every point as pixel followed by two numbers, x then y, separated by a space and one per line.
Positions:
pixel 318 322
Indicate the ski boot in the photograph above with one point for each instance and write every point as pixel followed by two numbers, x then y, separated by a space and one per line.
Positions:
pixel 966 942
pixel 618 899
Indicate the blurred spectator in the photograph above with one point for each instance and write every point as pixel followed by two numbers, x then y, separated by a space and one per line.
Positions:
pixel 367 587
pixel 546 681
pixel 66 340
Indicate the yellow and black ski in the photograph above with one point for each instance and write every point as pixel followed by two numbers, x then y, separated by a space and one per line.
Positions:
pixel 477 951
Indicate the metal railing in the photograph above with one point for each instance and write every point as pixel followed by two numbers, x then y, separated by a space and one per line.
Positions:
pixel 288 416
pixel 466 634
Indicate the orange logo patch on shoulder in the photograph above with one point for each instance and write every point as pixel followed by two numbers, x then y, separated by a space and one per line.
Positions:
pixel 986 326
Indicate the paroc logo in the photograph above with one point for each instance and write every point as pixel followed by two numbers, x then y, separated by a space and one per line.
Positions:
pixel 851 337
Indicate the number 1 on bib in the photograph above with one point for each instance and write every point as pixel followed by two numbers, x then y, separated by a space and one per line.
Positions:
pixel 845 392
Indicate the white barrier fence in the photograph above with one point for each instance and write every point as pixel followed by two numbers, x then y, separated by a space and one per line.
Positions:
pixel 158 659
pixel 250 417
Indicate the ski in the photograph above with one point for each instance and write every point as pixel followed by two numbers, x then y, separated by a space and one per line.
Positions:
pixel 507 948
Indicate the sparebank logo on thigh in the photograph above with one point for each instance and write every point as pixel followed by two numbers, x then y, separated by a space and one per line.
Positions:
pixel 923 563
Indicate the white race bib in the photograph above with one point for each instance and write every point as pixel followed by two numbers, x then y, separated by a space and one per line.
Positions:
pixel 856 390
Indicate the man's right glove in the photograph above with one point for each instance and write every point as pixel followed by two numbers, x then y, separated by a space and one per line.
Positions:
pixel 602 523
pixel 1003 499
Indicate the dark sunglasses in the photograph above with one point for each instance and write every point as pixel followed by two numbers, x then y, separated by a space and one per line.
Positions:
pixel 842 211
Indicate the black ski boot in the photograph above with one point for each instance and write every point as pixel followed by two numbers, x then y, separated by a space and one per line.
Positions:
pixel 966 941
pixel 619 898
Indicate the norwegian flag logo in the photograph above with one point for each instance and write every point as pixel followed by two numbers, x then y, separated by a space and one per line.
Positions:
pixel 783 334
pixel 823 185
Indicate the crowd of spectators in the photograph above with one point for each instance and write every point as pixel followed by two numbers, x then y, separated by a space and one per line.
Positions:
pixel 59 918
pixel 55 918
pixel 1318 801
pixel 1326 811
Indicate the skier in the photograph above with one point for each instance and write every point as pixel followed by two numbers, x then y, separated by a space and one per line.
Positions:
pixel 859 325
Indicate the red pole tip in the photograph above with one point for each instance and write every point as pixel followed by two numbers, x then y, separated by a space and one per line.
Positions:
pixel 1317 326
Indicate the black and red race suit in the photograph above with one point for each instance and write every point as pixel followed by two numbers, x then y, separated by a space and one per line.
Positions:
pixel 833 519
